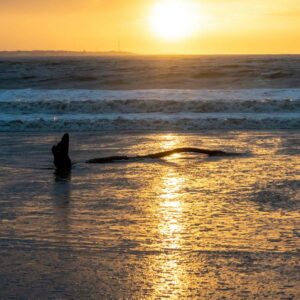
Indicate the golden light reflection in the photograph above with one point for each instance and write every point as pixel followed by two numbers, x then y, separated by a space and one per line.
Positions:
pixel 172 186
pixel 171 204
pixel 170 141
pixel 171 209
pixel 176 223
pixel 170 229
pixel 171 281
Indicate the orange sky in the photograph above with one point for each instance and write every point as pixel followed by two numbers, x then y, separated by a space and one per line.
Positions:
pixel 227 26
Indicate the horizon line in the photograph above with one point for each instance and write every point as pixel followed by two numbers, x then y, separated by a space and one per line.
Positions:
pixel 116 53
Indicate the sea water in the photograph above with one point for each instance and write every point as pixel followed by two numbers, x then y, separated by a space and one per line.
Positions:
pixel 183 227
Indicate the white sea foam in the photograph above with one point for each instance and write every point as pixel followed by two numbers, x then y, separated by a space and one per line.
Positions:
pixel 39 110
pixel 33 95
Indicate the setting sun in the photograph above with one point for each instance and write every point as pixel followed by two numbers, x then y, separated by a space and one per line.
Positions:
pixel 149 149
pixel 175 19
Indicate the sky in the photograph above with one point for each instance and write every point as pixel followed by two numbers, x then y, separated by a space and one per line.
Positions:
pixel 220 26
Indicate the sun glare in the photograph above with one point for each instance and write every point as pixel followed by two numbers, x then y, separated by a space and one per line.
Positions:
pixel 175 19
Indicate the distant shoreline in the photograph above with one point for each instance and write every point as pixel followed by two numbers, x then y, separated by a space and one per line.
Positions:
pixel 47 53
pixel 63 53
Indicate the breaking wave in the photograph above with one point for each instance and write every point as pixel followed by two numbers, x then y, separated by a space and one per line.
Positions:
pixel 104 110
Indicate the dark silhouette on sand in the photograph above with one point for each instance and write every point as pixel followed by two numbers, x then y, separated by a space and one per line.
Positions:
pixel 63 162
pixel 111 159
pixel 60 152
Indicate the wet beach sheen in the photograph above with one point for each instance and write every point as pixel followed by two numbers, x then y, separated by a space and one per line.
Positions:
pixel 183 227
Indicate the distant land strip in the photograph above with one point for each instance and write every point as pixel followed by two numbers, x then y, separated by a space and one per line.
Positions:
pixel 22 53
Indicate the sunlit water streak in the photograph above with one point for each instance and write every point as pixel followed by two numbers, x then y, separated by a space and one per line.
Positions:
pixel 183 227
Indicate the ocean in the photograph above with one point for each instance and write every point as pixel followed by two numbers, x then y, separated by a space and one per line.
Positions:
pixel 183 227
pixel 149 93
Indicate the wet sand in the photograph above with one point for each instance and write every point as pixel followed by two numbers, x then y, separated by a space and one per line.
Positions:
pixel 183 227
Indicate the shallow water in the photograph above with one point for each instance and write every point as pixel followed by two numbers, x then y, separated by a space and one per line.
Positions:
pixel 183 227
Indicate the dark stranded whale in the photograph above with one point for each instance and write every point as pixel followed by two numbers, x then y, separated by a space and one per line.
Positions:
pixel 62 160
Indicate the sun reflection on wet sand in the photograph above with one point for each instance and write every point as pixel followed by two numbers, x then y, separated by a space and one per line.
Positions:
pixel 171 210
pixel 183 227
pixel 169 141
pixel 170 229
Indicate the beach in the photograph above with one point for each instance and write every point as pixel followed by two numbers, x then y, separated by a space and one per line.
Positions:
pixel 186 226
pixel 182 227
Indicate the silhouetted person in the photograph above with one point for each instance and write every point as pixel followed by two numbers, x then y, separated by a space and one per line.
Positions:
pixel 60 152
